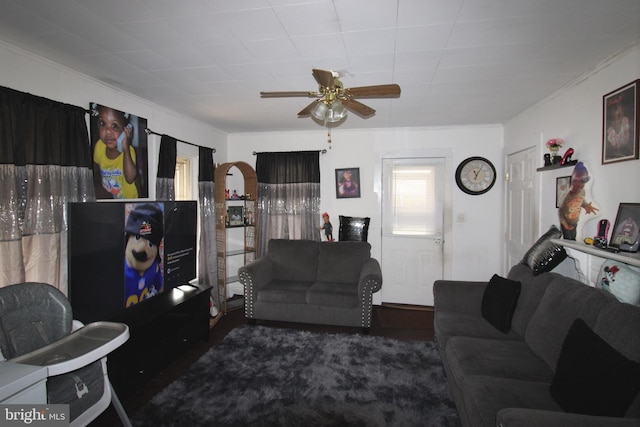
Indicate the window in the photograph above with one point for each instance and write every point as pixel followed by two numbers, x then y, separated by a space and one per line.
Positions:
pixel 182 180
pixel 413 196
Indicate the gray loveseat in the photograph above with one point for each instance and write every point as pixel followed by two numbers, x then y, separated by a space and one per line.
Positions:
pixel 505 379
pixel 305 281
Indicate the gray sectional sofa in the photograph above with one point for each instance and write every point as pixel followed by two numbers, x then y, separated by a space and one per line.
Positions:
pixel 305 281
pixel 547 365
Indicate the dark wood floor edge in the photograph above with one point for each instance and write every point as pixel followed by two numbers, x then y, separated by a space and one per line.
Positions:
pixel 407 306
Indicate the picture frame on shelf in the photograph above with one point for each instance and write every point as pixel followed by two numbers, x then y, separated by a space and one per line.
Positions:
pixel 563 184
pixel 620 124
pixel 626 230
pixel 236 216
pixel 348 183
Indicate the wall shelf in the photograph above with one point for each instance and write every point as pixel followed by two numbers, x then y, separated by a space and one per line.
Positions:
pixel 558 166
pixel 625 257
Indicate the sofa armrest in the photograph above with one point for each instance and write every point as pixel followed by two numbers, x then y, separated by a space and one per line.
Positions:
pixel 370 277
pixel 521 417
pixel 458 295
pixel 255 275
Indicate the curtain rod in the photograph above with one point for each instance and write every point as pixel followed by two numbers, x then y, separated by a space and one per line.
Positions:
pixel 150 132
pixel 323 151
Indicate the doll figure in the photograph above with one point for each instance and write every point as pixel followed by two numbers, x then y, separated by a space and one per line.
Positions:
pixel 327 227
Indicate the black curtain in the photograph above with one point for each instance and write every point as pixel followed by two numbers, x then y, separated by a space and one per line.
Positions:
pixel 165 188
pixel 288 196
pixel 288 167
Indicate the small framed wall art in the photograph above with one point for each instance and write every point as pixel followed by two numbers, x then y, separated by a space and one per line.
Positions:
pixel 348 183
pixel 563 184
pixel 620 117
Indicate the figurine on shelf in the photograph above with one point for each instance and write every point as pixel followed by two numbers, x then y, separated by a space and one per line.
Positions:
pixel 235 196
pixel 566 159
pixel 226 194
pixel 327 227
pixel 547 159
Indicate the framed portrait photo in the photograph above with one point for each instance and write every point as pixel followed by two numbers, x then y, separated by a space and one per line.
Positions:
pixel 236 216
pixel 620 117
pixel 347 183
pixel 626 230
pixel 563 184
pixel 112 133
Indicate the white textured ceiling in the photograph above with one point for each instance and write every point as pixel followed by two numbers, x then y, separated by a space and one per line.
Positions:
pixel 458 62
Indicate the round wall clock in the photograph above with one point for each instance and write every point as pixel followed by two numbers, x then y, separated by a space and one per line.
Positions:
pixel 475 175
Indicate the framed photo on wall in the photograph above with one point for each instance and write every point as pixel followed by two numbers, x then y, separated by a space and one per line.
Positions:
pixel 626 230
pixel 347 183
pixel 563 184
pixel 114 132
pixel 620 118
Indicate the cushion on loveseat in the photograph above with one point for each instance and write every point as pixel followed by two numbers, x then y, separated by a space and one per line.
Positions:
pixel 294 260
pixel 341 262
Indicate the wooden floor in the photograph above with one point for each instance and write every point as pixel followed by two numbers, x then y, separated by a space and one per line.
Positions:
pixel 393 321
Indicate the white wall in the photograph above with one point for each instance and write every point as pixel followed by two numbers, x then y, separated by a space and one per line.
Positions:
pixel 472 223
pixel 575 114
pixel 23 71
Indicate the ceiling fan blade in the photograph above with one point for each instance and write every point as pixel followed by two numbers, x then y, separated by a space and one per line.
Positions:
pixel 287 94
pixel 377 91
pixel 324 78
pixel 307 110
pixel 358 107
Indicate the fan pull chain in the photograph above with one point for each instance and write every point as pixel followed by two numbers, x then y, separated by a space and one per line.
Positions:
pixel 329 136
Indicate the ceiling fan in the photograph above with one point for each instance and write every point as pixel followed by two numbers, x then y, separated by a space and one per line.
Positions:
pixel 333 100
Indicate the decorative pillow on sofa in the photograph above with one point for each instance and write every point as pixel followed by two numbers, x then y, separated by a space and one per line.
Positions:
pixel 499 302
pixel 544 255
pixel 592 377
pixel 621 279
pixel 353 229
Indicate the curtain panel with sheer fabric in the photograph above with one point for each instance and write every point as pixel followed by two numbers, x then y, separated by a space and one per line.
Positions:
pixel 165 180
pixel 207 260
pixel 288 196
pixel 45 162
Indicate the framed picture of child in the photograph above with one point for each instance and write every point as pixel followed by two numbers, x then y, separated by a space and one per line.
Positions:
pixel 621 117
pixel 626 230
pixel 347 183
pixel 119 147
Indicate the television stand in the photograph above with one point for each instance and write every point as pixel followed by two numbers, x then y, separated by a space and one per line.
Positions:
pixel 161 329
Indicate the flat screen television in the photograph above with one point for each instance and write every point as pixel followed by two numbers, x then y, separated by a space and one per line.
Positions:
pixel 121 254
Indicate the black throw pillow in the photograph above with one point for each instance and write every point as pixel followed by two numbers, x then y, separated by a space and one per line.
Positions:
pixel 545 255
pixel 499 302
pixel 593 378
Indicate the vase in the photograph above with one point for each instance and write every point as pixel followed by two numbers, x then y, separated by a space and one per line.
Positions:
pixel 556 159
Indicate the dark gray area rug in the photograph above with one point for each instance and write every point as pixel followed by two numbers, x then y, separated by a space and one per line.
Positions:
pixel 263 376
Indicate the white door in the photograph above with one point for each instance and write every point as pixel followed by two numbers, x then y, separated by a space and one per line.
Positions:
pixel 520 231
pixel 412 228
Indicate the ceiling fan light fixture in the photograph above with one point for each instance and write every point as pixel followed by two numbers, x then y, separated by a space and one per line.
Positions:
pixel 329 113
pixel 320 111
